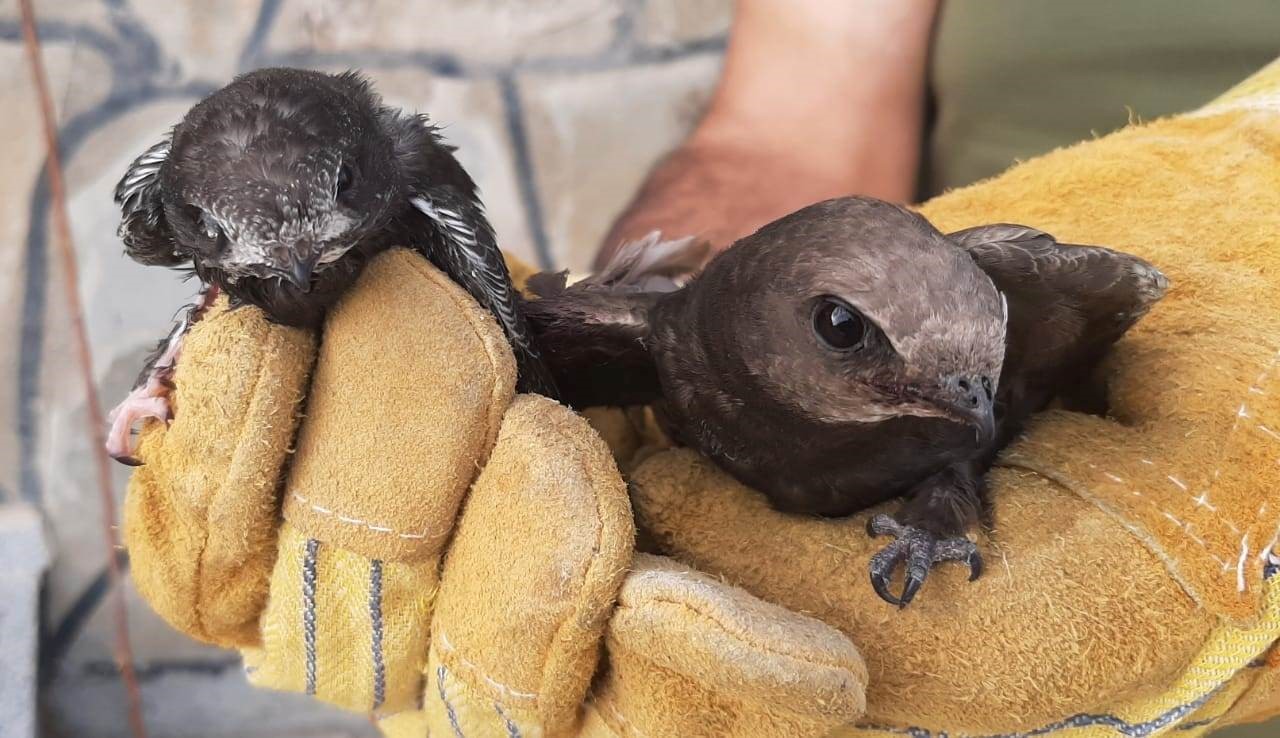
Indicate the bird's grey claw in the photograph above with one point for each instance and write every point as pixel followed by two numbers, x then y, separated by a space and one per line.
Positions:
pixel 974 562
pixel 918 550
pixel 882 524
pixel 912 586
pixel 960 549
pixel 880 583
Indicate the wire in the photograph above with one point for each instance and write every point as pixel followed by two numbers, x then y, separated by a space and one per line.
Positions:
pixel 97 421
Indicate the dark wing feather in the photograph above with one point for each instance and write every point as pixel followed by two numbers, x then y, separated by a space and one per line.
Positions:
pixel 470 256
pixel 596 345
pixel 1067 303
pixel 595 332
pixel 143 228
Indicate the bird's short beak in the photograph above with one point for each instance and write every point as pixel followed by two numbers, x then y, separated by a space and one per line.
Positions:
pixel 970 400
pixel 298 272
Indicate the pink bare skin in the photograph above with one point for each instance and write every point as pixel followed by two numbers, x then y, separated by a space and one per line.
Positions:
pixel 150 399
pixel 818 98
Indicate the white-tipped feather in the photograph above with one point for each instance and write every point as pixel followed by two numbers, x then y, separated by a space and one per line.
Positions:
pixel 142 174
pixel 462 234
pixel 654 264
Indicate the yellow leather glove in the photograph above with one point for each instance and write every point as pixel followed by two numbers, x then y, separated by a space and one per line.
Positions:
pixel 436 549
pixel 1127 588
pixel 1127 591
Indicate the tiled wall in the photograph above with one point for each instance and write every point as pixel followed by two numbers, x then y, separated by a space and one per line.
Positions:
pixel 558 107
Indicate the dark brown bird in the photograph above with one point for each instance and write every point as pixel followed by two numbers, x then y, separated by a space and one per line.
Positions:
pixel 850 353
pixel 278 189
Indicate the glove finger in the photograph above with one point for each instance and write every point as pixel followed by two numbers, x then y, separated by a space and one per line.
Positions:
pixel 200 516
pixel 531 576
pixel 692 656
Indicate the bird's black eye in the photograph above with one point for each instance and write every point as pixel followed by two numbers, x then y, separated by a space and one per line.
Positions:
pixel 346 176
pixel 839 326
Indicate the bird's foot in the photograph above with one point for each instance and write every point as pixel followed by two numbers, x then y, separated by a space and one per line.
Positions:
pixel 918 550
pixel 151 400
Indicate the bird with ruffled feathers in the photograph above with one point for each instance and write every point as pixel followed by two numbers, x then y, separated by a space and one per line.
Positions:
pixel 278 188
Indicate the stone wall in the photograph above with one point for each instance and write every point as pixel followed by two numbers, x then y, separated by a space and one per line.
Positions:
pixel 558 108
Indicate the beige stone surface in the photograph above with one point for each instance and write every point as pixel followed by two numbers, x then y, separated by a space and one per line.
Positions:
pixel 203 38
pixel 477 32
pixel 23 161
pixel 594 136
pixel 93 14
pixel 665 21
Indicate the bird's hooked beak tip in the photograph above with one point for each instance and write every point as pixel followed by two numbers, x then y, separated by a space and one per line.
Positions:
pixel 298 273
pixel 984 429
pixel 970 400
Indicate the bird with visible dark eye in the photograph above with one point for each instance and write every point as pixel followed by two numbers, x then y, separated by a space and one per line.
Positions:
pixel 839 326
pixel 344 180
pixel 278 188
pixel 212 230
pixel 763 362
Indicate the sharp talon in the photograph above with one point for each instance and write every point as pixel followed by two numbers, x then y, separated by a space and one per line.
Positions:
pixel 919 550
pixel 913 585
pixel 880 525
pixel 920 558
pixel 882 566
pixel 128 460
pixel 975 564
pixel 881 585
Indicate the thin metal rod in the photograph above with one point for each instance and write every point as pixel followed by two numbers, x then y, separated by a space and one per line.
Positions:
pixel 97 421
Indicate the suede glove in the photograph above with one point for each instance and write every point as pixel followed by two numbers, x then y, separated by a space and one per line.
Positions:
pixel 1128 584
pixel 374 517
pixel 384 524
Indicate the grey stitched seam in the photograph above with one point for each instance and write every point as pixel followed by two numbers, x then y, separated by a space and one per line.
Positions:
pixel 309 612
pixel 1082 720
pixel 453 715
pixel 512 730
pixel 375 618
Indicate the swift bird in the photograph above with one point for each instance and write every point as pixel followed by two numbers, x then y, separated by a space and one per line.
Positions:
pixel 850 353
pixel 278 188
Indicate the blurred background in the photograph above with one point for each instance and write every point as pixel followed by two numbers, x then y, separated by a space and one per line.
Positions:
pixel 559 108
